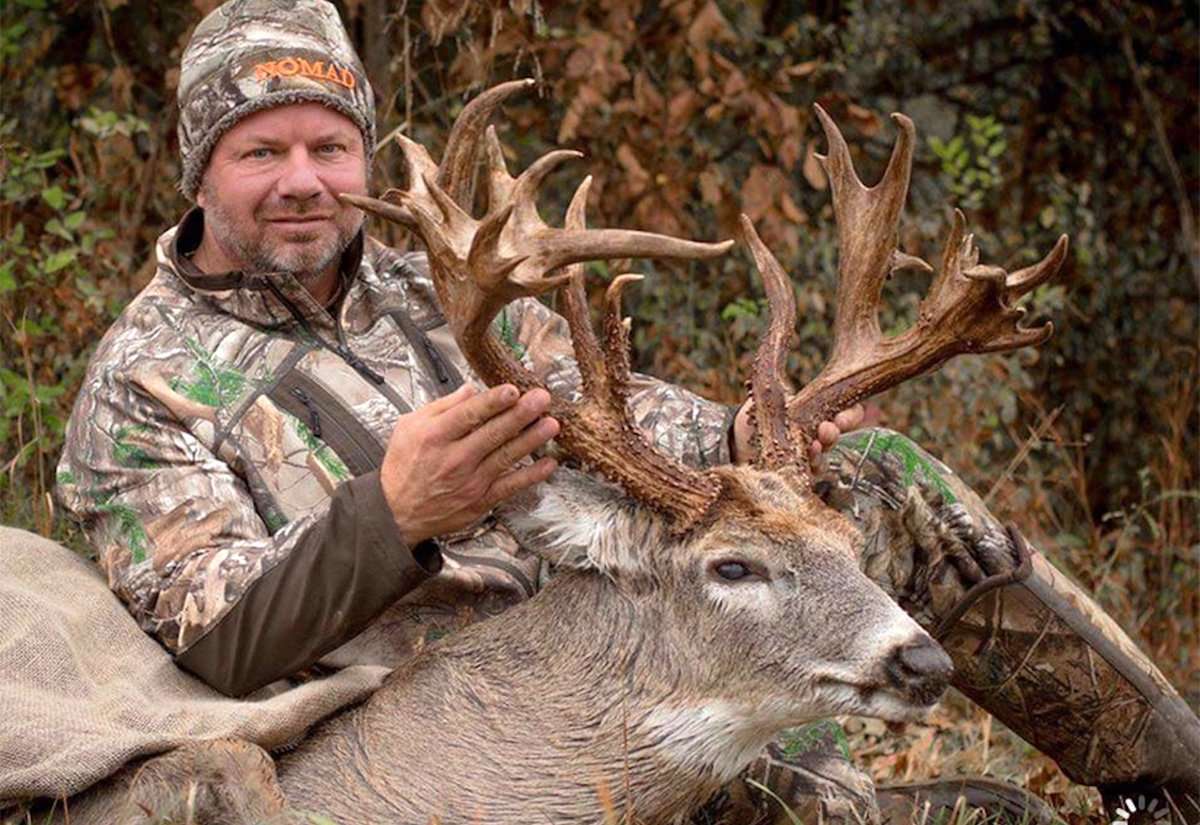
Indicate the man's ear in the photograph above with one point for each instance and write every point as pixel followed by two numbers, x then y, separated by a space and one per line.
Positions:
pixel 202 196
pixel 575 520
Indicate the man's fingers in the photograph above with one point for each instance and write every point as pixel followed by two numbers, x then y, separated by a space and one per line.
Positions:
pixel 827 433
pixel 850 419
pixel 444 403
pixel 502 459
pixel 512 483
pixel 814 453
pixel 470 414
pixel 503 428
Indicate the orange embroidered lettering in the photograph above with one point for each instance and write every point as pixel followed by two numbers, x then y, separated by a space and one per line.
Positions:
pixel 292 66
pixel 316 69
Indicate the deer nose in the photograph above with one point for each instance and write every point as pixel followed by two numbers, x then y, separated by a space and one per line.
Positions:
pixel 920 670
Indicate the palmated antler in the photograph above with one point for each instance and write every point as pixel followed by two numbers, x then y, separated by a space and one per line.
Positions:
pixel 970 307
pixel 480 265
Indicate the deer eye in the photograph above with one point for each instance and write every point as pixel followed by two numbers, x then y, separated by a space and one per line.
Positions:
pixel 732 570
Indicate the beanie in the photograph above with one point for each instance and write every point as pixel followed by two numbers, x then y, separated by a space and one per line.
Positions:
pixel 250 55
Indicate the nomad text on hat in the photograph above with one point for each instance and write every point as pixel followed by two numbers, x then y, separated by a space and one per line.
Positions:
pixel 250 55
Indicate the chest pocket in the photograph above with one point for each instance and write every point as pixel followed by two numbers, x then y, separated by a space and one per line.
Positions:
pixel 329 421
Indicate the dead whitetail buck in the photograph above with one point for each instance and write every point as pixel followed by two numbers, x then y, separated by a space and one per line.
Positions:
pixel 696 613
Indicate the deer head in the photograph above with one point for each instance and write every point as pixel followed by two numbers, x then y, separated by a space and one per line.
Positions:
pixel 751 611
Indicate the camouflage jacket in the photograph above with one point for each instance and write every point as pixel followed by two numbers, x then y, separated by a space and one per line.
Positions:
pixel 223 459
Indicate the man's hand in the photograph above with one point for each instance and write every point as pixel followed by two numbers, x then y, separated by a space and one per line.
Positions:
pixel 450 462
pixel 828 433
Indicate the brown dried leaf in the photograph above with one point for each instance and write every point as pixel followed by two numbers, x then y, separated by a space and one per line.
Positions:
pixel 440 17
pixel 708 26
pixel 864 119
pixel 803 69
pixel 636 176
pixel 710 185
pixel 586 98
pixel 680 111
pixel 813 173
pixel 790 210
pixel 761 189
pixel 650 102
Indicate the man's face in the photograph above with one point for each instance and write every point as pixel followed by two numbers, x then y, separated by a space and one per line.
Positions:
pixel 268 191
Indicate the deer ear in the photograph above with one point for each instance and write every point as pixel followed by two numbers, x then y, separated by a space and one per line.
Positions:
pixel 577 521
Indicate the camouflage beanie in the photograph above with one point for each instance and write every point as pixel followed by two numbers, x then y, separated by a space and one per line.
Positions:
pixel 250 55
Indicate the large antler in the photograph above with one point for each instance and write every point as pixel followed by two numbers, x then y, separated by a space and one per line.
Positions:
pixel 480 265
pixel 969 308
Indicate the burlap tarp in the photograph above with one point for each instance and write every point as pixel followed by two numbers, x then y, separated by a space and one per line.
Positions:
pixel 83 691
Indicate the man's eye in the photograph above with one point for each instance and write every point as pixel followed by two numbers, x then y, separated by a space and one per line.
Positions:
pixel 331 149
pixel 261 153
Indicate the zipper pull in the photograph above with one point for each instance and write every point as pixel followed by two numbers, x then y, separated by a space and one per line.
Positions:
pixel 358 365
pixel 314 421
pixel 435 358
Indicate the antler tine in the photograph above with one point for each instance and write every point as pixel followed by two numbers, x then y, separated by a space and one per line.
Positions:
pixel 499 183
pixel 616 334
pixel 970 307
pixel 868 220
pixel 525 191
pixel 1027 279
pixel 457 173
pixel 769 388
pixel 588 354
pixel 568 246
pixel 394 212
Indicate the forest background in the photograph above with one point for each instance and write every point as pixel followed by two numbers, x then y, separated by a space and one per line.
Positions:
pixel 1036 117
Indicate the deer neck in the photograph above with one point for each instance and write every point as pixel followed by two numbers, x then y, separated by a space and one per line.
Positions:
pixel 586 680
pixel 597 679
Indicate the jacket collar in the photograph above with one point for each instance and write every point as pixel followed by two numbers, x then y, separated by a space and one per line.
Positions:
pixel 265 298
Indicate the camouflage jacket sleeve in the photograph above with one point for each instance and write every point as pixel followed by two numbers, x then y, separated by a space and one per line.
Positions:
pixel 677 422
pixel 183 545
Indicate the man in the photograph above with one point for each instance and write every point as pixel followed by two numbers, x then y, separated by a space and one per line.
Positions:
pixel 283 462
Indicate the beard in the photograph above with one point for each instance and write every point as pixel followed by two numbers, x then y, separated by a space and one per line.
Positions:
pixel 304 255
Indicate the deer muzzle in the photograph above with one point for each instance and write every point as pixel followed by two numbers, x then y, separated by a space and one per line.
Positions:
pixel 919 670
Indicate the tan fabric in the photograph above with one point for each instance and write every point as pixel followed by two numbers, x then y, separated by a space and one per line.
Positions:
pixel 84 690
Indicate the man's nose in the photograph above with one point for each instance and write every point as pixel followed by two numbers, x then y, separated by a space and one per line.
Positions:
pixel 299 179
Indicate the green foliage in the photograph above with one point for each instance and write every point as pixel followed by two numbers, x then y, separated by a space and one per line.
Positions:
pixel 972 162
pixel 103 123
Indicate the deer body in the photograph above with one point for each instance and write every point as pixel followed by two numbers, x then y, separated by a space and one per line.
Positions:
pixel 630 684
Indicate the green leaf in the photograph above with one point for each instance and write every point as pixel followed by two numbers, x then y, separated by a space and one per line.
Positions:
pixel 73 220
pixel 58 260
pixel 55 196
pixel 54 227
pixel 17 236
pixel 7 282
pixel 45 160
